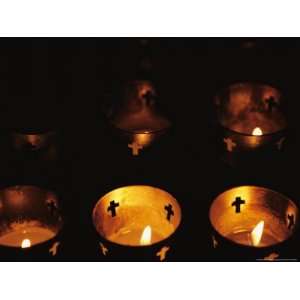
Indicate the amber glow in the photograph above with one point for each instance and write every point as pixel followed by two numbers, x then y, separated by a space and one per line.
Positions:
pixel 257 233
pixel 257 131
pixel 33 139
pixel 143 139
pixel 26 243
pixel 146 236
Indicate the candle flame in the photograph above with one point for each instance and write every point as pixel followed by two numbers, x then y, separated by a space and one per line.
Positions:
pixel 257 233
pixel 26 243
pixel 146 236
pixel 257 131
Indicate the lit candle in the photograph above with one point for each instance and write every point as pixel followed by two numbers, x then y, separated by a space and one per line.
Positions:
pixel 255 139
pixel 28 216
pixel 146 236
pixel 257 131
pixel 136 216
pixel 26 234
pixel 143 236
pixel 137 118
pixel 252 122
pixel 253 216
pixel 258 237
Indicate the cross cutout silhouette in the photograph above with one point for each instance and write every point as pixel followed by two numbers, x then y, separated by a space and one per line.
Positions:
pixel 271 103
pixel 54 248
pixel 291 221
pixel 230 144
pixel 135 147
pixel 103 249
pixel 163 253
pixel 149 97
pixel 237 203
pixel 272 256
pixel 280 143
pixel 52 206
pixel 112 207
pixel 170 211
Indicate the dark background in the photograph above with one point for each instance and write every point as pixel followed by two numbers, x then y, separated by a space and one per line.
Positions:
pixel 66 84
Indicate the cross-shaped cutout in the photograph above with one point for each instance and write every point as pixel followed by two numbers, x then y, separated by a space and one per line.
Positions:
pixel 230 144
pixel 163 253
pixel 280 143
pixel 271 257
pixel 103 249
pixel 54 248
pixel 215 242
pixel 52 206
pixel 237 203
pixel 170 211
pixel 112 207
pixel 135 147
pixel 271 103
pixel 149 97
pixel 291 221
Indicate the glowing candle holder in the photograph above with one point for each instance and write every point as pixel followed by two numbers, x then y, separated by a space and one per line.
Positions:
pixel 41 144
pixel 136 119
pixel 253 122
pixel 253 222
pixel 137 223
pixel 30 222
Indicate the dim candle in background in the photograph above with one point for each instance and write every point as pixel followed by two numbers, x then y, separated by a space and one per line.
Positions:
pixel 32 141
pixel 136 215
pixel 137 118
pixel 252 122
pixel 253 216
pixel 28 216
pixel 243 107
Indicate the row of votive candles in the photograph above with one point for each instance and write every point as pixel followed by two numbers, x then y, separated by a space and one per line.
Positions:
pixel 251 114
pixel 139 215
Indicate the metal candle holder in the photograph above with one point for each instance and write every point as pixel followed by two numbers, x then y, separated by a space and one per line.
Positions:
pixel 253 123
pixel 30 223
pixel 34 143
pixel 253 222
pixel 136 120
pixel 137 222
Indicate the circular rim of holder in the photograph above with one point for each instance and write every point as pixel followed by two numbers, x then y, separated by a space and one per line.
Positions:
pixel 137 246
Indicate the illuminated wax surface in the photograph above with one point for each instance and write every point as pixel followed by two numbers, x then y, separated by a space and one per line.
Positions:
pixel 36 234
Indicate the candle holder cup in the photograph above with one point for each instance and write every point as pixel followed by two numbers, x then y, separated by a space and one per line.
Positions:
pixel 252 121
pixel 35 144
pixel 136 120
pixel 30 223
pixel 137 223
pixel 250 223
